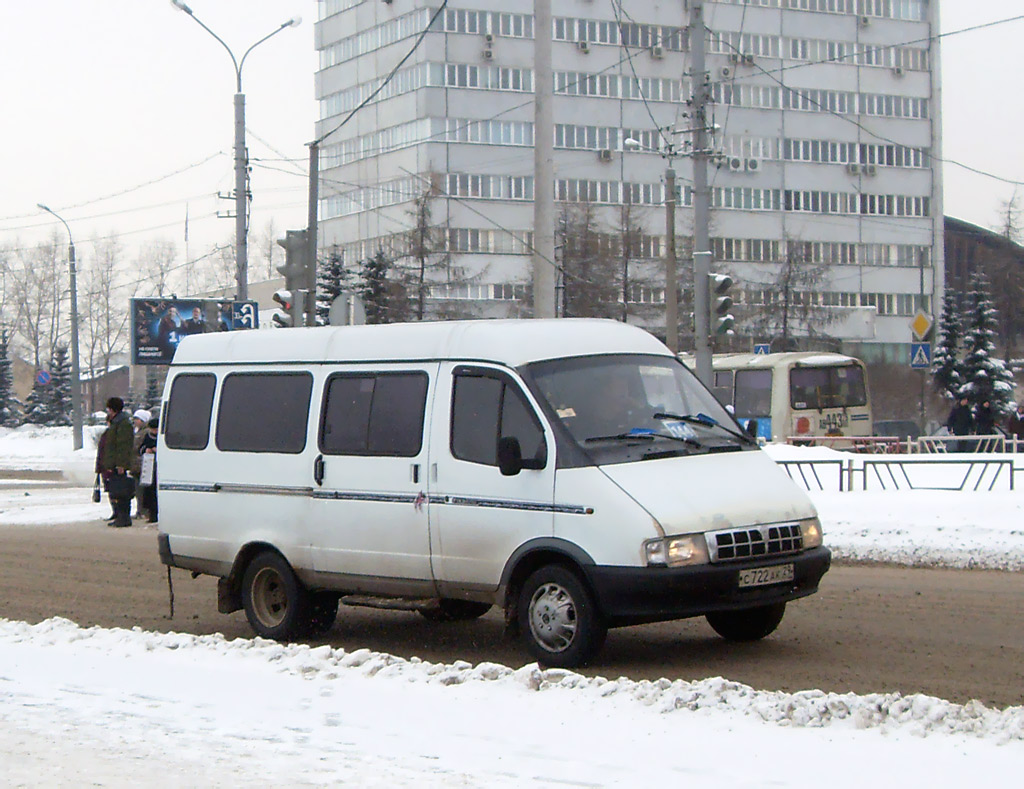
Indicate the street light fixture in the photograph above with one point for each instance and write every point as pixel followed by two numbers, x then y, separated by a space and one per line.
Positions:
pixel 76 375
pixel 241 165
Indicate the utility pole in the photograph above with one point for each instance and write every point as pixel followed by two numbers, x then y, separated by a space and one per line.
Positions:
pixel 543 166
pixel 312 210
pixel 671 264
pixel 701 154
pixel 76 370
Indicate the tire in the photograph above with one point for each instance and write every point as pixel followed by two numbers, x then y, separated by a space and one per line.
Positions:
pixel 449 610
pixel 558 618
pixel 276 604
pixel 749 624
pixel 323 612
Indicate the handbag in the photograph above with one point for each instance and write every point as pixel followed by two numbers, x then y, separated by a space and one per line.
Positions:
pixel 148 466
pixel 96 490
pixel 120 486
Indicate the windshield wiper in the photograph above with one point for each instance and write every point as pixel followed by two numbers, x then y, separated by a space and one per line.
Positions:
pixel 648 435
pixel 707 421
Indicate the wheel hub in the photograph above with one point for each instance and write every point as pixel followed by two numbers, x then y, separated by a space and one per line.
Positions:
pixel 553 617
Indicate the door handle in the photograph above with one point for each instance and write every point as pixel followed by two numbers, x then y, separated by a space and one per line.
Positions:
pixel 318 470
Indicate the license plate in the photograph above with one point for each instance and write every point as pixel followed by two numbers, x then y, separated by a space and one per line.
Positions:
pixel 763 576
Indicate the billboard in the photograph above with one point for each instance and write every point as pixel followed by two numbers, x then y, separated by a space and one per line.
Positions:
pixel 158 325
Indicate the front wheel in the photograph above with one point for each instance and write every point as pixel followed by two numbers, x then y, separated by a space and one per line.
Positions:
pixel 558 618
pixel 276 604
pixel 749 624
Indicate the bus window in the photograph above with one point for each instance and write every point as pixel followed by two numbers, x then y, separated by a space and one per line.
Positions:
pixel 753 393
pixel 722 390
pixel 827 387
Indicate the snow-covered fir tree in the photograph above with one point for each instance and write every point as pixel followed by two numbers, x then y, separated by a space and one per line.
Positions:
pixel 60 387
pixel 154 389
pixel 988 378
pixel 331 280
pixel 385 300
pixel 39 405
pixel 947 368
pixel 10 408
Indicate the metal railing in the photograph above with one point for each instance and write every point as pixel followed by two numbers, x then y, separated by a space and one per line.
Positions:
pixel 975 473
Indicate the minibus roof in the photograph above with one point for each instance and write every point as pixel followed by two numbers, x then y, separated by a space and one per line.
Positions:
pixel 508 342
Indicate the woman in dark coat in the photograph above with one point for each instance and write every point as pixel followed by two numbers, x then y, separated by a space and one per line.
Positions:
pixel 116 460
pixel 961 423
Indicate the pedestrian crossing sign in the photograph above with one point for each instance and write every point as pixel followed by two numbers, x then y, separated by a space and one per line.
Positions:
pixel 920 355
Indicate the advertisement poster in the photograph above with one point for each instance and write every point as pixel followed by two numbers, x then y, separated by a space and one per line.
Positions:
pixel 158 325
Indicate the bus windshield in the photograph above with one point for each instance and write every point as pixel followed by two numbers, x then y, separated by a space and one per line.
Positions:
pixel 827 387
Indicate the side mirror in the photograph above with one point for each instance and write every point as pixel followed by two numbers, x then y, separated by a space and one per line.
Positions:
pixel 751 428
pixel 510 456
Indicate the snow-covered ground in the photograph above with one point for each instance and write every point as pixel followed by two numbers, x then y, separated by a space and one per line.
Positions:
pixel 117 707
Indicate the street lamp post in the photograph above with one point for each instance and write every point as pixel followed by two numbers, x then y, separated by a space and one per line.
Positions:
pixel 671 264
pixel 241 164
pixel 76 374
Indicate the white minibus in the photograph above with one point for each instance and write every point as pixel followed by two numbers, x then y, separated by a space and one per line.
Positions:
pixel 797 396
pixel 572 473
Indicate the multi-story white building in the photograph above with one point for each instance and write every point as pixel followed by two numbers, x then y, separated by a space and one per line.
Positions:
pixel 827 116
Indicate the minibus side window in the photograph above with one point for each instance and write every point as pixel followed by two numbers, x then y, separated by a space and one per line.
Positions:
pixel 188 411
pixel 485 408
pixel 375 414
pixel 264 412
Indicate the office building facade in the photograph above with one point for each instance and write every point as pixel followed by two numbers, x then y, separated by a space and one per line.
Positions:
pixel 824 175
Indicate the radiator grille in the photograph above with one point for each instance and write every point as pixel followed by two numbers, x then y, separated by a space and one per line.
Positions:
pixel 734 545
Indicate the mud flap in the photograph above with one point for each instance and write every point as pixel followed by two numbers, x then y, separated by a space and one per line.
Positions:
pixel 228 598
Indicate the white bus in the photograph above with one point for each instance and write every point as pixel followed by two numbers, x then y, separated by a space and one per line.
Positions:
pixel 795 396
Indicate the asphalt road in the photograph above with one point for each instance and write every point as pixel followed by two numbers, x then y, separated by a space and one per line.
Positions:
pixel 958 635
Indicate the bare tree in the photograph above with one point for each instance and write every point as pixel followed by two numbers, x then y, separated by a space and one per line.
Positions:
pixel 38 284
pixel 1011 221
pixel 590 265
pixel 268 250
pixel 792 304
pixel 105 289
pixel 155 263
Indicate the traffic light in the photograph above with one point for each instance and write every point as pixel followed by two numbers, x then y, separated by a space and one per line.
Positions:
pixel 719 304
pixel 294 270
pixel 284 317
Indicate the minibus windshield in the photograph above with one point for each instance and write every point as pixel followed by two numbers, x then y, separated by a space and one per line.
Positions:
pixel 626 407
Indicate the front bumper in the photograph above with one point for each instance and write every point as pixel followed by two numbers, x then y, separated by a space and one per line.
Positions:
pixel 636 595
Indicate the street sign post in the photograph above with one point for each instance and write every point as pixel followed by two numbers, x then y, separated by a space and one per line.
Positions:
pixel 920 355
pixel 920 325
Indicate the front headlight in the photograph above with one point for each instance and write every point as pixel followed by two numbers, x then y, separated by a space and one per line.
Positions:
pixel 678 551
pixel 810 530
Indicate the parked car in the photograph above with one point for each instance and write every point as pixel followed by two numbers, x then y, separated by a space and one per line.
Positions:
pixel 898 428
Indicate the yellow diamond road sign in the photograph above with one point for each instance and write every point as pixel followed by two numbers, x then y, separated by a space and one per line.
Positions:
pixel 921 325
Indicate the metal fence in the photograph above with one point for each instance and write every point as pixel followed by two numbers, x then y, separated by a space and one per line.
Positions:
pixel 974 473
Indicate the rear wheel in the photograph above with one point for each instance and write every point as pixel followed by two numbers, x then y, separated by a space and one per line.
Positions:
pixel 455 610
pixel 749 624
pixel 276 604
pixel 558 618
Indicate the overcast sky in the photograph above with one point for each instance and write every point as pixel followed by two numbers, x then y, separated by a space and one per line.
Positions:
pixel 100 97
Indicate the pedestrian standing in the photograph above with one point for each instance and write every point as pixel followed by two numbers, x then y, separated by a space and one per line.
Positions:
pixel 99 467
pixel 116 461
pixel 985 419
pixel 961 423
pixel 140 420
pixel 1015 425
pixel 148 448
